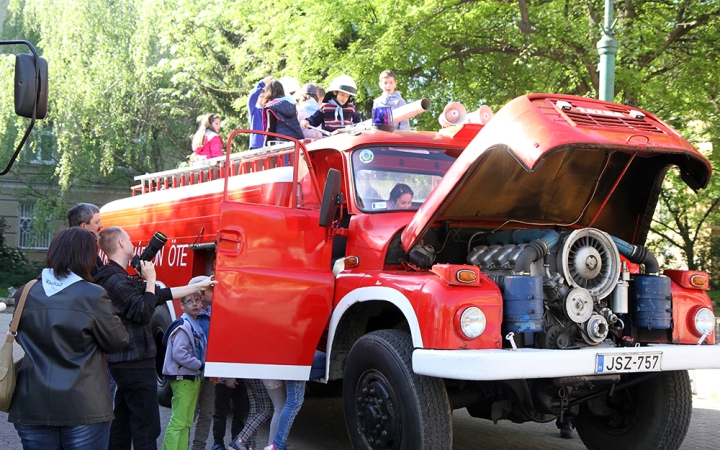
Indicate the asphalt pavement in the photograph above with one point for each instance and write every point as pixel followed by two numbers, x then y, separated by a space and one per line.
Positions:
pixel 320 424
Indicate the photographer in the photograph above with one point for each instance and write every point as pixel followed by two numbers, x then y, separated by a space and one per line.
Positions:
pixel 137 418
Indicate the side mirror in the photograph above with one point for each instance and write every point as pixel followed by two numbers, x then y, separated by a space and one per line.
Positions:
pixel 331 198
pixel 31 91
pixel 28 90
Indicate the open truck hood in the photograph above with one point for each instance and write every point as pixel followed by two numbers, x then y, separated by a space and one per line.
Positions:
pixel 559 160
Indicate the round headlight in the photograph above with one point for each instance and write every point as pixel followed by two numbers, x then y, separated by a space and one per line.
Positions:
pixel 704 321
pixel 472 322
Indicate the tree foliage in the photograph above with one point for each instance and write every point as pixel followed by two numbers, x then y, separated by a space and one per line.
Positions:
pixel 130 78
pixel 15 269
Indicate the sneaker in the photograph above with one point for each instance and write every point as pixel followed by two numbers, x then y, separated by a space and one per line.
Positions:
pixel 566 432
pixel 270 447
pixel 218 447
pixel 238 445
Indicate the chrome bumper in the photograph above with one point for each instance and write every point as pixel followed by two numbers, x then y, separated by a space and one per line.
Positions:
pixel 508 364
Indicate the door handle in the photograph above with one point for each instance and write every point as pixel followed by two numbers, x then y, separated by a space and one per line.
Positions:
pixel 230 241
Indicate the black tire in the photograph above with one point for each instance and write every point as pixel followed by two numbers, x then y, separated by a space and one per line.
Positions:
pixel 652 415
pixel 159 323
pixel 387 405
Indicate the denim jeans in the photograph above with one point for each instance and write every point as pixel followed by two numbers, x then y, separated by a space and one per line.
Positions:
pixel 293 402
pixel 317 370
pixel 113 387
pixel 137 414
pixel 277 397
pixel 79 437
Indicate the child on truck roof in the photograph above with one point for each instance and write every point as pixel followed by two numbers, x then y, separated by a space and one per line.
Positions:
pixel 207 143
pixel 337 110
pixel 307 106
pixel 390 97
pixel 279 113
pixel 255 113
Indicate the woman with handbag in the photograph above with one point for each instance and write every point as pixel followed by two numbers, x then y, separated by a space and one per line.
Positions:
pixel 62 396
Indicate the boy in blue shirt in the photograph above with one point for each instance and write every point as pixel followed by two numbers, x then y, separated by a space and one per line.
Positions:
pixel 184 363
pixel 206 396
pixel 390 97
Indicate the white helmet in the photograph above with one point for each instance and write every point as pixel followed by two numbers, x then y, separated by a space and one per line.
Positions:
pixel 290 85
pixel 344 83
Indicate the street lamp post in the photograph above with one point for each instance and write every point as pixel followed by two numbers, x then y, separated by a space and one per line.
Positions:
pixel 607 47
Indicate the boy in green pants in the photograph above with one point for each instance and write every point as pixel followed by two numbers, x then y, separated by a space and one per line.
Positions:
pixel 184 363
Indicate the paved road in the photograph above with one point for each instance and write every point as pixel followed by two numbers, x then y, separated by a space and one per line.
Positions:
pixel 320 424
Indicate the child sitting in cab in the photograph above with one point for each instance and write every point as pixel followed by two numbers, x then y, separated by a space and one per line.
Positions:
pixel 337 110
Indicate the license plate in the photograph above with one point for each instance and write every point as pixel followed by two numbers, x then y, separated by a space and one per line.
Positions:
pixel 628 362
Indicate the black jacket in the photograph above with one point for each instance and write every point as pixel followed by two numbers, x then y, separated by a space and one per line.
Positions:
pixel 280 116
pixel 135 307
pixel 63 377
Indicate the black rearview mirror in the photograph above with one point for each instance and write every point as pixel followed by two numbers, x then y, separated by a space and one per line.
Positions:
pixel 31 91
pixel 331 198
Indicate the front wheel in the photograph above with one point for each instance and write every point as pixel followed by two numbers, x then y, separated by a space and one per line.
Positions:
pixel 158 324
pixel 654 414
pixel 387 405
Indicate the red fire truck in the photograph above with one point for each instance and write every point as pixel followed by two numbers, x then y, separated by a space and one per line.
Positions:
pixel 516 286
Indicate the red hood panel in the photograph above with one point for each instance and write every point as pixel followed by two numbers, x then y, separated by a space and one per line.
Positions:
pixel 558 159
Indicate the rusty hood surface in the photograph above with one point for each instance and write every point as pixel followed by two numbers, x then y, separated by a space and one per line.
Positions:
pixel 563 161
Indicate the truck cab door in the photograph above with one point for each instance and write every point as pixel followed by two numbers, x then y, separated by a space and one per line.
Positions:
pixel 275 285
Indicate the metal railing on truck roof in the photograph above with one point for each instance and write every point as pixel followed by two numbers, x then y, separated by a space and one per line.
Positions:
pixel 250 161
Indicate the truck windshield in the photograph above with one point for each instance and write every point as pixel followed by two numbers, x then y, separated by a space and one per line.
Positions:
pixel 395 178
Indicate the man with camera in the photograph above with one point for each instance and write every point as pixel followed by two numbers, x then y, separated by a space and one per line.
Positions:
pixel 137 418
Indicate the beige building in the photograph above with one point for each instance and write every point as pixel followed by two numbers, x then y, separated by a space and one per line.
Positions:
pixel 18 204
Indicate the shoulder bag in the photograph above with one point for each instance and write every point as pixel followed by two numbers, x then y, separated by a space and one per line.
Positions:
pixel 7 368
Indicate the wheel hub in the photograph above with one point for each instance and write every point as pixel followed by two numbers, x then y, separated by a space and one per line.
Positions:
pixel 378 419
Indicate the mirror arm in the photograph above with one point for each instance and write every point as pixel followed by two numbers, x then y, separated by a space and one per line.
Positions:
pixel 19 147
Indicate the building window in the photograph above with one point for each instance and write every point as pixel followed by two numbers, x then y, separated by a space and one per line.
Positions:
pixel 29 238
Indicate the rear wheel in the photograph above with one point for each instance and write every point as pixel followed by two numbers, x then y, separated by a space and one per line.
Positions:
pixel 654 414
pixel 387 405
pixel 159 323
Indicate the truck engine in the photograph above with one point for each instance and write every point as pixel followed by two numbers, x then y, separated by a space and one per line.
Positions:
pixel 566 290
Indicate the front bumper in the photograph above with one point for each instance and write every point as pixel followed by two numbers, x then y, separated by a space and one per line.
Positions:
pixel 508 364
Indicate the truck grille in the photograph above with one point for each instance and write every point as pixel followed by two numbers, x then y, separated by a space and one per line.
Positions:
pixel 597 120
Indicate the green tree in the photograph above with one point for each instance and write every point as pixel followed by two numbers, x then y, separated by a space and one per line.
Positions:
pixel 15 269
pixel 130 78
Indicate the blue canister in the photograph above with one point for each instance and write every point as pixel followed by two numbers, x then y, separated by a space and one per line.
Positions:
pixel 652 302
pixel 523 304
